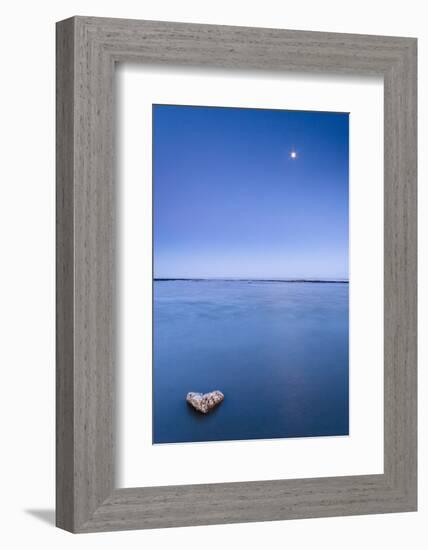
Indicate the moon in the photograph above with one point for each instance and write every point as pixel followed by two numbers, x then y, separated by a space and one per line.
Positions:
pixel 293 155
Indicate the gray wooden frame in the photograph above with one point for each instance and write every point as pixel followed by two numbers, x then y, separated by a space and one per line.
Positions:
pixel 87 50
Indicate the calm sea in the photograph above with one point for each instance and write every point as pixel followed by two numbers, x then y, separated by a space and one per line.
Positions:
pixel 277 350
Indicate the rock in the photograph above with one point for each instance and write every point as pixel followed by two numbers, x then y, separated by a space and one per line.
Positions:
pixel 204 402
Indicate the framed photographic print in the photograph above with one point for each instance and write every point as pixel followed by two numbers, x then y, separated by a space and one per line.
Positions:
pixel 236 274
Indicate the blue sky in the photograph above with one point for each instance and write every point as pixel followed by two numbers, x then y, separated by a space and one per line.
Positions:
pixel 229 201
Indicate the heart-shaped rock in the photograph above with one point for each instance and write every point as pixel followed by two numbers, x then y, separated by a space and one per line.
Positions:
pixel 204 402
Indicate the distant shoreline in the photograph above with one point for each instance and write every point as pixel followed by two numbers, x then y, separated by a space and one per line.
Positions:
pixel 229 280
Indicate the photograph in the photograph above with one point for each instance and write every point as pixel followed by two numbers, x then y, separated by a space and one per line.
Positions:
pixel 250 273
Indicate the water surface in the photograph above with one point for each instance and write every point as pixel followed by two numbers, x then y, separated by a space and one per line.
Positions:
pixel 277 350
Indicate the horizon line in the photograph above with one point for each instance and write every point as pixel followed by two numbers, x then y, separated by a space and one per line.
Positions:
pixel 258 279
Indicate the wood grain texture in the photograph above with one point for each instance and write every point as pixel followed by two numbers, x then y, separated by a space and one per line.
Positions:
pixel 64 276
pixel 87 50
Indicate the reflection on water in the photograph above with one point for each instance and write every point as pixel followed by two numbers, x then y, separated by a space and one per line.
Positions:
pixel 277 350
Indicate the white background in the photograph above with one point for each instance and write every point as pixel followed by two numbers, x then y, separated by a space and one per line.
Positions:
pixel 362 451
pixel 27 273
